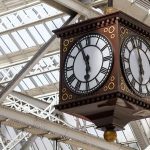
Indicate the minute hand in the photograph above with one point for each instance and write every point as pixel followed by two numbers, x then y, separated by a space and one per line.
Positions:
pixel 141 70
pixel 86 59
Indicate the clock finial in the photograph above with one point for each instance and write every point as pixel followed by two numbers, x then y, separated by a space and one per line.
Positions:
pixel 110 3
pixel 110 9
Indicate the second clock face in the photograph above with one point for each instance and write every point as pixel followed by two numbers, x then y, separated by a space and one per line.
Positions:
pixel 135 58
pixel 88 63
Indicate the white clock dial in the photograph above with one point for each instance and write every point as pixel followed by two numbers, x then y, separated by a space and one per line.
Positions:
pixel 88 63
pixel 135 58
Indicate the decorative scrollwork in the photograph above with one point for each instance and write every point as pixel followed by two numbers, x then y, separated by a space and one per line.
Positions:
pixel 123 86
pixel 111 84
pixel 123 32
pixel 111 31
pixel 66 42
pixel 65 96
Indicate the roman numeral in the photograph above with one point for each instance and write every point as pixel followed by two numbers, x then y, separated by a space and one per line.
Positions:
pixel 71 78
pixel 103 70
pixel 79 45
pixel 107 58
pixel 134 42
pixel 104 47
pixel 87 86
pixel 147 90
pixel 70 68
pixel 78 84
pixel 140 88
pixel 97 41
pixel 133 82
pixel 139 43
pixel 126 59
pixel 128 71
pixel 88 41
pixel 97 81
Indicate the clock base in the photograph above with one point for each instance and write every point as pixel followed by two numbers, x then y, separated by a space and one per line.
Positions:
pixel 109 111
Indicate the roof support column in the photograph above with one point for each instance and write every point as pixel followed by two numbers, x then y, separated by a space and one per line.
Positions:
pixel 139 134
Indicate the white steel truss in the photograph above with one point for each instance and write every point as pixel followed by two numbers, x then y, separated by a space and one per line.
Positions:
pixel 8 73
pixel 20 105
pixel 49 129
pixel 16 140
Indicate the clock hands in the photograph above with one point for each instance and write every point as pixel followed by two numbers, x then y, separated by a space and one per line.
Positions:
pixel 88 68
pixel 141 70
pixel 87 76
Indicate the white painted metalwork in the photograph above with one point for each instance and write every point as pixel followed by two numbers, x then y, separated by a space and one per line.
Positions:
pixel 46 64
pixel 16 140
pixel 70 135
pixel 132 9
pixel 2 143
pixel 139 134
pixel 20 105
pixel 78 7
pixel 51 98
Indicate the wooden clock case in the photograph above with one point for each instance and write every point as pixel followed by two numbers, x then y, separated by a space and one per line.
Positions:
pixel 114 104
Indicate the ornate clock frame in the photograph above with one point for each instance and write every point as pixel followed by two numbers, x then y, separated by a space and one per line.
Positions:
pixel 107 106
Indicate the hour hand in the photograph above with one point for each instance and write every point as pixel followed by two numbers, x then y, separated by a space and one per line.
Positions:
pixel 87 69
pixel 141 70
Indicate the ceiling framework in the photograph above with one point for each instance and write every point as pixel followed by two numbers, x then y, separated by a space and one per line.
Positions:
pixel 132 7
pixel 28 62
pixel 52 130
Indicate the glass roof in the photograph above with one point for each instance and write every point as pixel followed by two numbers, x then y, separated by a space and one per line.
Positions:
pixel 44 73
pixel 29 27
pixel 24 29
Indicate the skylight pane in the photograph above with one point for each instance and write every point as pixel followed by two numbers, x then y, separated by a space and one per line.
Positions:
pixel 4 47
pixel 58 22
pixel 31 14
pixel 51 10
pixel 51 25
pixel 120 137
pixel 37 81
pixel 128 132
pixel 51 77
pixel 17 89
pixel 42 63
pixel 13 19
pixel 10 43
pixel 56 75
pixel 25 36
pixel 43 79
pixel 41 11
pixel 23 85
pixel 29 83
pixel 7 22
pixel 2 27
pixel 43 32
pixel 19 40
pixel 36 35
pixel 66 17
pixel 25 19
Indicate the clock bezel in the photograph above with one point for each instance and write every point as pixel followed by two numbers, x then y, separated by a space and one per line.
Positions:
pixel 131 87
pixel 95 88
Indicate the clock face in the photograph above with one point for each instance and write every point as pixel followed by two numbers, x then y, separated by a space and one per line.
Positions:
pixel 88 63
pixel 135 58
